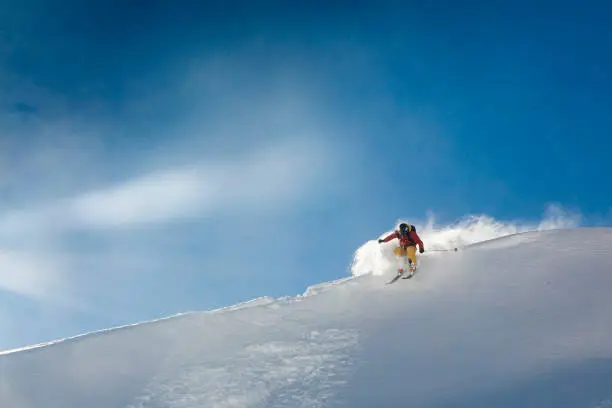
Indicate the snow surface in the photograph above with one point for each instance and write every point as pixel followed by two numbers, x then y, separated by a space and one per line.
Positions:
pixel 519 321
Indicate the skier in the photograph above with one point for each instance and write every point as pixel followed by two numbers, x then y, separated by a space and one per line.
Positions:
pixel 408 239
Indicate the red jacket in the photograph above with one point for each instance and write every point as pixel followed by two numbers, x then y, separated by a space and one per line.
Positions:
pixel 411 240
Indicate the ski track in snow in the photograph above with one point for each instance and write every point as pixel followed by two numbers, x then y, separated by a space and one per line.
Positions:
pixel 300 373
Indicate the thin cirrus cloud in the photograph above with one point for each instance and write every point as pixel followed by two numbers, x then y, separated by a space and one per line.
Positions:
pixel 36 275
pixel 263 181
pixel 156 197
pixel 266 180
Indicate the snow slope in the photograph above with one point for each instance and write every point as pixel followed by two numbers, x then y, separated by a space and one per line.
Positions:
pixel 519 321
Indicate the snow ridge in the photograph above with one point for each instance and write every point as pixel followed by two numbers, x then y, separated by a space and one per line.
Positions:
pixel 505 322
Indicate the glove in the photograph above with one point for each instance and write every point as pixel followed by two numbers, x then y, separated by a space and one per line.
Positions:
pixel 380 241
pixel 421 250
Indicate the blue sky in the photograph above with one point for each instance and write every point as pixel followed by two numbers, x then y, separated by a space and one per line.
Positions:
pixel 158 157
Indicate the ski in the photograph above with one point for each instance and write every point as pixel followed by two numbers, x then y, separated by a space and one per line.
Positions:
pixel 394 279
pixel 410 275
pixel 403 275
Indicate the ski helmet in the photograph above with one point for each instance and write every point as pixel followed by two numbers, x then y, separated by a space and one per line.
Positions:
pixel 404 228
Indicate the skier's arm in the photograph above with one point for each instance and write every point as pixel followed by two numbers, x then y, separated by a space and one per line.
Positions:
pixel 415 237
pixel 389 238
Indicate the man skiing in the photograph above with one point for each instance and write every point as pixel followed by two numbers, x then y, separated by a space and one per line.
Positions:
pixel 408 240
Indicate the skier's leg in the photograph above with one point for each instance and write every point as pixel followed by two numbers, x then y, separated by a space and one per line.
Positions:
pixel 411 255
pixel 400 254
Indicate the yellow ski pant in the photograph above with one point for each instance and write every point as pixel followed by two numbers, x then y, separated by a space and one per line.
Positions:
pixel 410 252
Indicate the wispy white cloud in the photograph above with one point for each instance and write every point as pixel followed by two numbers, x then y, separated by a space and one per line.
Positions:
pixel 36 275
pixel 266 180
pixel 154 197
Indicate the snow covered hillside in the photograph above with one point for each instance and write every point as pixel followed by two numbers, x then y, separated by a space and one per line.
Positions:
pixel 519 321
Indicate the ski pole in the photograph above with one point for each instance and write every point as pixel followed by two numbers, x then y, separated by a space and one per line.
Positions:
pixel 442 250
